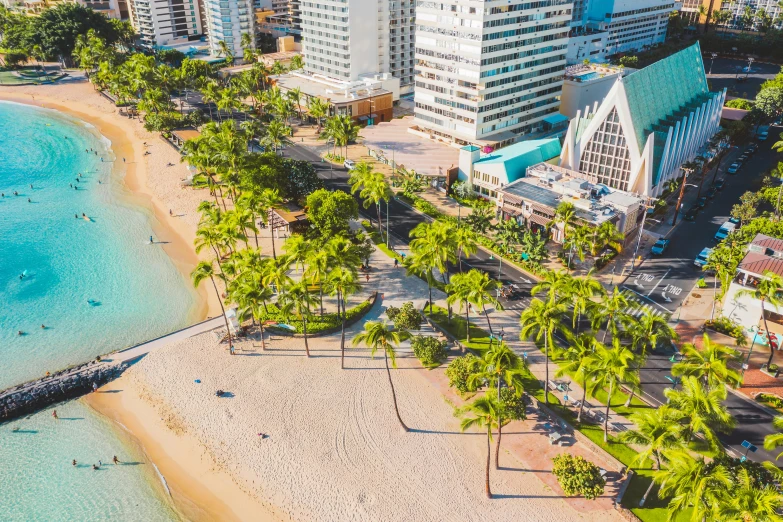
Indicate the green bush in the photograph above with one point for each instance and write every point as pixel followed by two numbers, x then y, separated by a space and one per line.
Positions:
pixel 739 103
pixel 404 318
pixel 513 404
pixel 429 350
pixel 771 400
pixel 578 476
pixel 315 323
pixel 701 283
pixel 773 368
pixel 458 373
pixel 726 326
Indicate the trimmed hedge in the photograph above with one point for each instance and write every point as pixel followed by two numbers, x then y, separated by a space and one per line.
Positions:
pixel 316 323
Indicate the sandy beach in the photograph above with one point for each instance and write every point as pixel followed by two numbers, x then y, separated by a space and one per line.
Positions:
pixel 334 449
pixel 150 183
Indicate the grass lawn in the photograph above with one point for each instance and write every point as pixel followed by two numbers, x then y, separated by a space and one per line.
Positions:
pixel 9 78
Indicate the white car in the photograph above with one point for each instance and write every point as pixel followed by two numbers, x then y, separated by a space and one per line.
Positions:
pixel 349 164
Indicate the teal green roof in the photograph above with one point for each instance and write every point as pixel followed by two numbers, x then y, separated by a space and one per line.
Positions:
pixel 518 157
pixel 664 89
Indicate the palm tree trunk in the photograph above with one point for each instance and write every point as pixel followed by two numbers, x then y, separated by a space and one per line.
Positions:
pixel 274 254
pixel 649 488
pixel 429 288
pixel 546 368
pixel 489 325
pixel 500 429
pixel 255 230
pixel 223 310
pixel 304 331
pixel 771 350
pixel 263 342
pixel 630 397
pixel 394 395
pixel 467 321
pixel 584 398
pixel 486 473
pixel 342 337
pixel 606 417
pixel 603 340
pixel 380 220
pixel 321 298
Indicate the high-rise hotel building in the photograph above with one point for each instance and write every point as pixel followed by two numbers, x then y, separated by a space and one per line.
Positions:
pixel 489 71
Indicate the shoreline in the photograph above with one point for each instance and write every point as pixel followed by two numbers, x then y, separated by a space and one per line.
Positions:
pixel 134 184
pixel 199 490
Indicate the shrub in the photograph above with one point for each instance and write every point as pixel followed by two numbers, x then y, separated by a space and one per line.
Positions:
pixel 513 404
pixel 773 368
pixel 739 103
pixel 429 350
pixel 404 318
pixel 578 476
pixel 772 400
pixel 459 371
pixel 726 326
pixel 701 283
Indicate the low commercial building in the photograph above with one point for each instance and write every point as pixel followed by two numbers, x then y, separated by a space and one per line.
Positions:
pixel 651 122
pixel 533 200
pixel 490 172
pixel 368 101
pixel 764 255
pixel 587 86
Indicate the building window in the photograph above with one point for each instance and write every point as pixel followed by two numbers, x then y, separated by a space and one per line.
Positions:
pixel 606 155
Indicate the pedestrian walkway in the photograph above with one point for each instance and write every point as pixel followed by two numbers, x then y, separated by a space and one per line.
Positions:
pixel 639 306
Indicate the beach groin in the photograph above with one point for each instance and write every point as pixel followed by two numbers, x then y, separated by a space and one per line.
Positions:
pixel 70 383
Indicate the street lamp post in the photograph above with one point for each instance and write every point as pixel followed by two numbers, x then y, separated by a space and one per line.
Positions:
pixel 754 330
pixel 641 231
pixel 750 62
pixel 712 59
pixel 686 171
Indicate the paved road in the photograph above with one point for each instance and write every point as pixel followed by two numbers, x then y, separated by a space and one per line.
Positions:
pixel 726 71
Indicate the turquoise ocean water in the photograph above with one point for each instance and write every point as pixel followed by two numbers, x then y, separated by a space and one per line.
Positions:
pixel 96 285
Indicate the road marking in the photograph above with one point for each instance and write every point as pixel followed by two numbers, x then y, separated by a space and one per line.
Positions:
pixel 659 281
pixel 647 298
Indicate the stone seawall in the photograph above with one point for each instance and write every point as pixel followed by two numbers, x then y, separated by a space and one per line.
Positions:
pixel 70 383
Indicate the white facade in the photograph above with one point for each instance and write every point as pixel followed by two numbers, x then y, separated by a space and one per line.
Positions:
pixel 650 123
pixel 632 25
pixel 737 9
pixel 488 72
pixel 350 39
pixel 227 21
pixel 590 45
pixel 165 22
pixel 587 86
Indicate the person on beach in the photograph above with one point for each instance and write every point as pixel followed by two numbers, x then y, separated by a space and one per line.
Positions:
pixel 115 460
pixel 395 262
pixel 54 414
pixel 73 463
pixel 123 160
pixel 94 387
pixel 94 467
pixel 151 240
pixel 367 277
pixel 170 213
pixel 100 463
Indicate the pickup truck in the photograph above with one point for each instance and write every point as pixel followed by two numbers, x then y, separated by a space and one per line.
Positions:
pixel 724 230
pixel 701 259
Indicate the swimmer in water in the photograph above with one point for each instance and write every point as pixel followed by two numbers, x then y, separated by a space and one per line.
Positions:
pixel 73 463
pixel 16 193
pixel 20 332
pixel 31 185
pixel 28 200
pixel 94 467
pixel 115 460
pixel 76 216
pixel 43 327
pixel 83 215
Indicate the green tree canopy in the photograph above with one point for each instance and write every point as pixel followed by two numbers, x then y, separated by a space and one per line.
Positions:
pixel 330 211
pixel 56 29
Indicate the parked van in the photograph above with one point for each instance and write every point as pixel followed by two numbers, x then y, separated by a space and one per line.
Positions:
pixel 725 229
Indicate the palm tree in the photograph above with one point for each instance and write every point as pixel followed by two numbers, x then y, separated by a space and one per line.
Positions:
pixel 297 299
pixel 270 200
pixel 276 132
pixel 692 482
pixel 648 331
pixel 318 110
pixel 422 264
pixel 565 215
pixel 579 359
pixel 703 406
pixel 436 239
pixel 612 310
pixel 297 62
pixel 775 440
pixel 319 264
pixel 751 501
pixel 541 320
pixel 766 291
pixel 205 270
pixel 373 188
pixel 577 243
pixel 556 283
pixel 498 365
pixel 275 272
pixel 380 335
pixel 613 367
pixel 295 96
pixel 343 282
pixel 484 412
pixel 298 248
pixel 460 290
pixel 711 363
pixel 483 293
pixel 606 235
pixel 658 430
pixel 465 242
pixel 581 291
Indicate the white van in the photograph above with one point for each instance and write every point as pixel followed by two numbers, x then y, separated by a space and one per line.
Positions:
pixel 725 229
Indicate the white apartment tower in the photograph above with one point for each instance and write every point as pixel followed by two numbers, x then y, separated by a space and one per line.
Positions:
pixel 163 22
pixel 489 71
pixel 227 21
pixel 347 39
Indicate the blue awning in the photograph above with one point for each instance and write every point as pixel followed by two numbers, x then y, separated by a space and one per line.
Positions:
pixel 554 119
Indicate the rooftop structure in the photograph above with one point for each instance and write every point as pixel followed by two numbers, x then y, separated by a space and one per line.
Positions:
pixel 368 101
pixel 650 123
pixel 588 86
pixel 498 168
pixel 532 201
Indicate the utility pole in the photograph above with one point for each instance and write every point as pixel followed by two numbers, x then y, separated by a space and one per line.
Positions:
pixel 703 175
pixel 712 59
pixel 646 206
pixel 686 171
